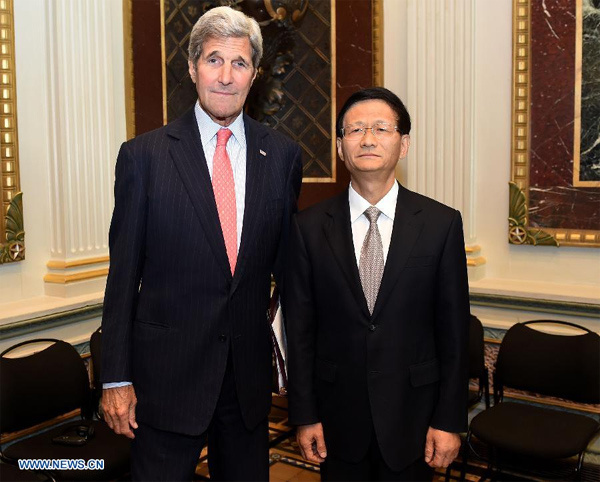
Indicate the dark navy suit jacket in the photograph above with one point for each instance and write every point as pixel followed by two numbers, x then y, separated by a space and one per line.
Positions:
pixel 172 309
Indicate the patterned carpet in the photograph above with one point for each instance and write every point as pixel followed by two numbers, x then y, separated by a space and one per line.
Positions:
pixel 287 464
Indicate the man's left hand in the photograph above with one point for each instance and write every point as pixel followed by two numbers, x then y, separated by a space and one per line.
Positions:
pixel 441 448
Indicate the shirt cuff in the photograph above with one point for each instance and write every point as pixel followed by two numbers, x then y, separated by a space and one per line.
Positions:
pixel 115 384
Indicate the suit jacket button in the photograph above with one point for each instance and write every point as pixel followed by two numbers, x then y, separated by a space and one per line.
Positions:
pixel 372 327
pixel 222 337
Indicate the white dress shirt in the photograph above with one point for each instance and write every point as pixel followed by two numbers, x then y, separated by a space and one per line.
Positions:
pixel 236 149
pixel 360 224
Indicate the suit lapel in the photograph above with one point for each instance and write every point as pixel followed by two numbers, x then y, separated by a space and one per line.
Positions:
pixel 339 236
pixel 405 233
pixel 255 176
pixel 188 156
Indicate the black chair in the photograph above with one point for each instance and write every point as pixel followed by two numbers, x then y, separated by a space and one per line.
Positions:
pixel 561 366
pixel 477 368
pixel 478 371
pixel 12 473
pixel 96 356
pixel 45 385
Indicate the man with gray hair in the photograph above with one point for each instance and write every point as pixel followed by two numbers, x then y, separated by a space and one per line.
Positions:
pixel 201 221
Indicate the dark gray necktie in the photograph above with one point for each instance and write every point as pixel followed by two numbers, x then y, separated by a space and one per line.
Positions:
pixel 370 266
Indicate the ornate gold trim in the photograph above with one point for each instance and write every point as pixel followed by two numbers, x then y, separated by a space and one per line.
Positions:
pixel 163 59
pixel 518 222
pixel 520 101
pixel 128 59
pixel 377 6
pixel 578 73
pixel 333 47
pixel 60 264
pixel 580 237
pixel 332 38
pixel 519 230
pixel 12 208
pixel 14 249
pixel 70 278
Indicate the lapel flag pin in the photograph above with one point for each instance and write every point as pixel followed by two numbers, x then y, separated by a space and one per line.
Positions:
pixel 263 152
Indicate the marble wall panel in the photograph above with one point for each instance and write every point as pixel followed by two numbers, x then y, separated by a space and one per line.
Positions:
pixel 589 149
pixel 554 201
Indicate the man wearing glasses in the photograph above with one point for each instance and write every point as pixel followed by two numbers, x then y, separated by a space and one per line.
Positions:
pixel 377 313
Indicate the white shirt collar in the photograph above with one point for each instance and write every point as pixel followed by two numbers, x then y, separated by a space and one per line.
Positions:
pixel 387 204
pixel 209 128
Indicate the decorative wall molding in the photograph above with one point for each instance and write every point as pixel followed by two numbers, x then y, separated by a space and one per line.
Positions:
pixel 473 257
pixel 477 261
pixel 440 78
pixel 535 304
pixel 473 249
pixel 80 276
pixel 40 323
pixel 83 135
pixel 59 264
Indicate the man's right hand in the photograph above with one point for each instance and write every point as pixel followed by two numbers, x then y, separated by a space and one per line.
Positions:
pixel 312 443
pixel 118 407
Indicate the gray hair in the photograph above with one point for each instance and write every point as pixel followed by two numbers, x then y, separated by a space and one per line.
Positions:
pixel 223 22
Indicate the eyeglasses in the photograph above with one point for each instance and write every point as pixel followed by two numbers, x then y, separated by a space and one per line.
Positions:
pixel 381 130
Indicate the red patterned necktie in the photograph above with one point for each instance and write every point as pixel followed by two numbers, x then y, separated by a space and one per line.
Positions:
pixel 224 189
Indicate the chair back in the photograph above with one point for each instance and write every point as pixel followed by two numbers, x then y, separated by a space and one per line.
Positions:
pixel 41 386
pixel 96 354
pixel 562 366
pixel 476 348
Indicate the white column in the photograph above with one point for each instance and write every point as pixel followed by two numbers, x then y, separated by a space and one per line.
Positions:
pixel 440 88
pixel 84 51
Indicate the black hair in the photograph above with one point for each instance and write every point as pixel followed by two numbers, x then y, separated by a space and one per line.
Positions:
pixel 376 93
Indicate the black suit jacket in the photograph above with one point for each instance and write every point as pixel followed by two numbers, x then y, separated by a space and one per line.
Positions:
pixel 172 309
pixel 400 370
